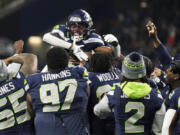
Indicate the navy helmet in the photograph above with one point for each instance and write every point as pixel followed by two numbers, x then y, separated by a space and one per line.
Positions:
pixel 80 17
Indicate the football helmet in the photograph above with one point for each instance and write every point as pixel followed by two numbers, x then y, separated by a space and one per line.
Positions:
pixel 79 24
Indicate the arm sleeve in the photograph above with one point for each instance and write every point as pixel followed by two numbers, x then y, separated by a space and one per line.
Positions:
pixel 167 121
pixel 164 56
pixel 158 120
pixel 55 41
pixel 102 109
pixel 118 50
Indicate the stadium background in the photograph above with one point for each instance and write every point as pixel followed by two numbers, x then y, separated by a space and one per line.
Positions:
pixel 30 19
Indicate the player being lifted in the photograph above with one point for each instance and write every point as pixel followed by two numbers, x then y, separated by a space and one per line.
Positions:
pixel 59 97
pixel 77 35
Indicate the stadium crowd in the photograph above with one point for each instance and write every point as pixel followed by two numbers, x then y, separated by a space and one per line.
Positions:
pixel 127 23
pixel 88 87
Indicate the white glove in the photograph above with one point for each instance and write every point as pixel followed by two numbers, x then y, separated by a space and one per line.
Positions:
pixel 78 52
pixel 110 38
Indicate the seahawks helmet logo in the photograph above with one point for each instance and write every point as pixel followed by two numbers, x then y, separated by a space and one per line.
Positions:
pixel 75 19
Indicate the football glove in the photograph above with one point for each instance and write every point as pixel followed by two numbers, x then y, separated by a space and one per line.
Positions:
pixel 78 52
pixel 110 38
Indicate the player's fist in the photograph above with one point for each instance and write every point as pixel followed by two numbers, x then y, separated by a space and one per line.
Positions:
pixel 151 28
pixel 18 45
pixel 111 39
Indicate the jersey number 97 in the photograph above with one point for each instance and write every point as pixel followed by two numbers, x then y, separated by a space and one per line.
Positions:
pixel 49 94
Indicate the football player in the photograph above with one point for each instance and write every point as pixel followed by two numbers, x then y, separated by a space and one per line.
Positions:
pixel 77 35
pixel 138 109
pixel 14 117
pixel 103 77
pixel 171 121
pixel 58 98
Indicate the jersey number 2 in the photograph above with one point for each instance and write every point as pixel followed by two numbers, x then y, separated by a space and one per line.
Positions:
pixel 130 126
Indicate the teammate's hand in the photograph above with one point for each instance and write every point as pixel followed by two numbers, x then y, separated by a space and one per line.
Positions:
pixel 18 45
pixel 110 38
pixel 79 53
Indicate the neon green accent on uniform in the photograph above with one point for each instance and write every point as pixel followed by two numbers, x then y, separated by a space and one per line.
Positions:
pixel 85 72
pixel 159 91
pixel 14 76
pixel 25 81
pixel 56 27
pixel 68 35
pixel 133 66
pixel 136 90
pixel 114 86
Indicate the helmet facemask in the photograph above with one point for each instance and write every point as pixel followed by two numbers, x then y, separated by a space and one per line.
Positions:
pixel 77 30
pixel 79 24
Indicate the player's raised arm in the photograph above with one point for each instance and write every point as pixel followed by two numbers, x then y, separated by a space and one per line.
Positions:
pixel 153 33
pixel 160 49
pixel 24 62
pixel 112 40
pixel 30 63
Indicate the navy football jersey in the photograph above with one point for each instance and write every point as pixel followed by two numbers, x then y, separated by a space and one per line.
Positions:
pixel 175 104
pixel 60 101
pixel 91 42
pixel 14 117
pixel 101 83
pixel 169 98
pixel 134 110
